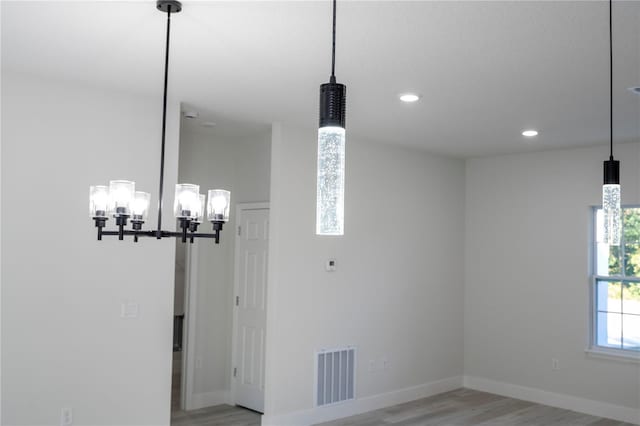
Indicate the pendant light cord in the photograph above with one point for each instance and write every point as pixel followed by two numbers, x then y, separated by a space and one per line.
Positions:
pixel 333 46
pixel 164 124
pixel 610 81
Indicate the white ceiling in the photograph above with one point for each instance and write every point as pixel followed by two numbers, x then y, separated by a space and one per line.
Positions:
pixel 486 70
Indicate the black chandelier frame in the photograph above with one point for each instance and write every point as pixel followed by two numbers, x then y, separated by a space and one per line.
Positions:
pixel 188 226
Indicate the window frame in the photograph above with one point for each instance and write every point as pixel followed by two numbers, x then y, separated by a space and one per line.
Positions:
pixel 594 348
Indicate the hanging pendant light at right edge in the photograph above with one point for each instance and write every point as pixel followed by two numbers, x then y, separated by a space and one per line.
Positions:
pixel 331 152
pixel 611 202
pixel 611 184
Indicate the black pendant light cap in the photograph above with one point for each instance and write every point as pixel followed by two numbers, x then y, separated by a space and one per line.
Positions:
pixel 164 5
pixel 333 104
pixel 612 172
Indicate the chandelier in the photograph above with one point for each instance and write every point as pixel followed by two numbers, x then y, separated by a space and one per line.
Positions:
pixel 121 201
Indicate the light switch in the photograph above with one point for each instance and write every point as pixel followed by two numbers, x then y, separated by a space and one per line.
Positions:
pixel 129 309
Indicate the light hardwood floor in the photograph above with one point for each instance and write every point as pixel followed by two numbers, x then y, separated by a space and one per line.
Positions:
pixel 465 407
pixel 462 407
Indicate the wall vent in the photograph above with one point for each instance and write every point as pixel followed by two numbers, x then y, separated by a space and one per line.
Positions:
pixel 335 375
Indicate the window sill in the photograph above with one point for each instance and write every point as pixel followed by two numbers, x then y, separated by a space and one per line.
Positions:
pixel 614 355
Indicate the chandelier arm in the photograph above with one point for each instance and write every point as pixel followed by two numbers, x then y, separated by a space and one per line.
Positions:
pixel 164 124
pixel 164 234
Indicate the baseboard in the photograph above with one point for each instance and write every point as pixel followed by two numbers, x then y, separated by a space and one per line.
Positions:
pixel 568 402
pixel 208 399
pixel 362 405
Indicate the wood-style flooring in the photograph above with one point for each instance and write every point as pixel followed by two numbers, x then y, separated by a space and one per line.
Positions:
pixel 465 407
pixel 462 407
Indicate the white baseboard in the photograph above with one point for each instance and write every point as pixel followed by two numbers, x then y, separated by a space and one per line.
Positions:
pixel 208 399
pixel 568 402
pixel 362 405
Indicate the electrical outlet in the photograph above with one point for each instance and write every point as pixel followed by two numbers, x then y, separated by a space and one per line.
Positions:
pixel 66 417
pixel 555 364
pixel 372 365
pixel 385 363
pixel 198 362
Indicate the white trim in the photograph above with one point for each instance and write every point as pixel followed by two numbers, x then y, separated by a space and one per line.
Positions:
pixel 363 405
pixel 209 399
pixel 614 354
pixel 567 402
pixel 187 396
pixel 241 207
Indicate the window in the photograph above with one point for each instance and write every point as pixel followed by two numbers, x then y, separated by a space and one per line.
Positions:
pixel 616 286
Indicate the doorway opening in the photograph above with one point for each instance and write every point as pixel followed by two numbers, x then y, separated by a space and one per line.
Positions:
pixel 208 378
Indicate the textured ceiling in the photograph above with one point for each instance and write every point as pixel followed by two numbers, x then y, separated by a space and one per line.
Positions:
pixel 486 70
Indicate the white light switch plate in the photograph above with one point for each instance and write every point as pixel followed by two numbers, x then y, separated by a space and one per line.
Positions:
pixel 129 309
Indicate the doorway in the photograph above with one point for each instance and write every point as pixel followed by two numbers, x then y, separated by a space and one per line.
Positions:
pixel 234 156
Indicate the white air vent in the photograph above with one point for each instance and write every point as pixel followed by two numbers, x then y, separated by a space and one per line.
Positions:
pixel 335 375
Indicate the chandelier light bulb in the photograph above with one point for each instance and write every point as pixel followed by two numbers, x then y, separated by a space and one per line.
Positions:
pixel 186 201
pixel 98 201
pixel 199 213
pixel 140 206
pixel 218 206
pixel 121 196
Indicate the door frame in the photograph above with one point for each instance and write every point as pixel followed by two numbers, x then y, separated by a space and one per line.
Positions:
pixel 240 208
pixel 189 326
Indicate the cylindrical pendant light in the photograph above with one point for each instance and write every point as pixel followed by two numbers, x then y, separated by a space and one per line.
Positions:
pixel 331 151
pixel 611 186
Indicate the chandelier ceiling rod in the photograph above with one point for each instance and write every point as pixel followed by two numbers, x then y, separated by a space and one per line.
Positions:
pixel 164 115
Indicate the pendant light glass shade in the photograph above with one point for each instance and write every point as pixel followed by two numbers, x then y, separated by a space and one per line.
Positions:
pixel 98 201
pixel 140 206
pixel 330 183
pixel 187 200
pixel 612 214
pixel 121 196
pixel 218 206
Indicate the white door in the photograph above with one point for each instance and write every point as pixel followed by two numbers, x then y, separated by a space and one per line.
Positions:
pixel 250 306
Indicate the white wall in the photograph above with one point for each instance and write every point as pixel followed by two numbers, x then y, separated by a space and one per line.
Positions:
pixel 63 341
pixel 239 161
pixel 398 289
pixel 527 272
pixel 179 280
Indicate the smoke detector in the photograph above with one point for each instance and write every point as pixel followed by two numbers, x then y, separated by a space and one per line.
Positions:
pixel 635 90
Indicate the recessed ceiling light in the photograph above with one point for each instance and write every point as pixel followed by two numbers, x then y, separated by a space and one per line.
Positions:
pixel 530 133
pixel 635 90
pixel 191 114
pixel 409 97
